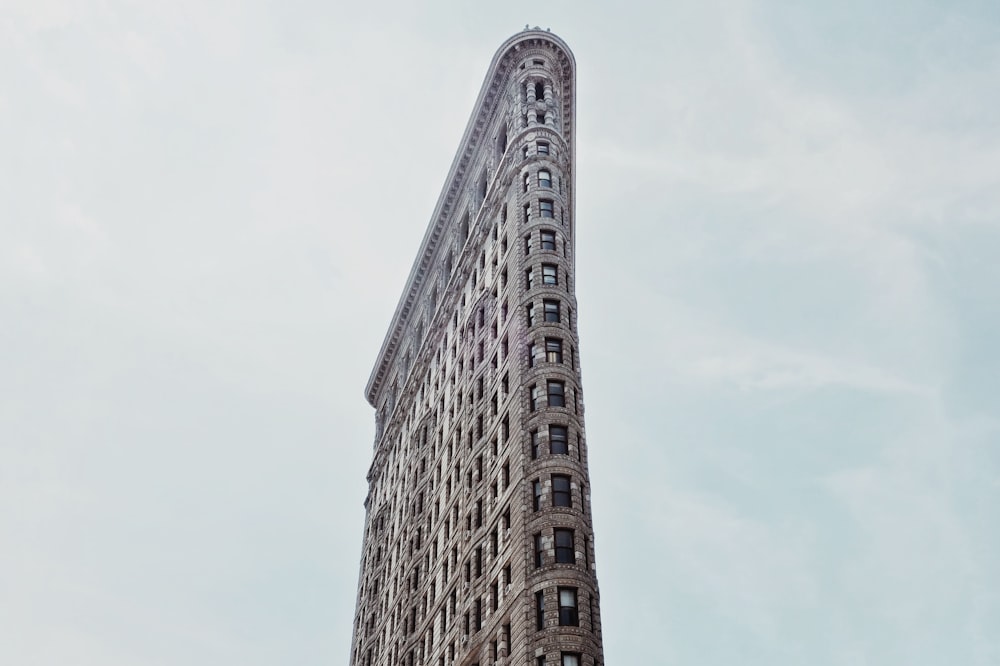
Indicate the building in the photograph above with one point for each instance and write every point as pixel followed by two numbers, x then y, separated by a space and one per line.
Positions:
pixel 478 544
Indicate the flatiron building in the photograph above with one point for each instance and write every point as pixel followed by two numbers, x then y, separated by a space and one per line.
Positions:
pixel 478 544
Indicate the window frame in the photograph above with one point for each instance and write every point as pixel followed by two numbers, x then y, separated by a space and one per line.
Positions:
pixel 547 239
pixel 562 497
pixel 564 438
pixel 546 206
pixel 539 610
pixel 551 311
pixel 553 350
pixel 565 554
pixel 569 659
pixel 569 615
pixel 555 393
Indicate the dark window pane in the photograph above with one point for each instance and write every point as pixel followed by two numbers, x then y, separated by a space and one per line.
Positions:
pixel 561 495
pixel 557 394
pixel 558 439
pixel 548 240
pixel 565 552
pixel 567 607
pixel 551 311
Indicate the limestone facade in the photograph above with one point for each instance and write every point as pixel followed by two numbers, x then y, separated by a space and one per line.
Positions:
pixel 478 545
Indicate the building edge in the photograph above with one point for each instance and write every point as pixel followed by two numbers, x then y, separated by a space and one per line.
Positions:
pixel 457 177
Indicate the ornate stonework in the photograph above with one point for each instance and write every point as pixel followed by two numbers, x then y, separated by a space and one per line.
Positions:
pixel 478 545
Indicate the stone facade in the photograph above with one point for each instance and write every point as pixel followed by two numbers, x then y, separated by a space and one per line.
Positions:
pixel 478 545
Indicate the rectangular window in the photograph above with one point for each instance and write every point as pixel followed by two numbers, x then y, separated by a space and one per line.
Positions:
pixel 565 550
pixel 534 444
pixel 536 488
pixel 549 240
pixel 544 179
pixel 561 495
pixel 556 392
pixel 527 244
pixel 540 661
pixel 533 397
pixel 558 439
pixel 570 659
pixel 568 615
pixel 540 610
pixel 531 355
pixel 527 181
pixel 542 148
pixel 545 208
pixel 479 612
pixel 550 274
pixel 529 310
pixel 551 311
pixel 553 350
pixel 527 212
pixel 538 549
pixel 529 280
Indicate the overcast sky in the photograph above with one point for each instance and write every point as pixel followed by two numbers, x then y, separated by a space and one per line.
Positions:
pixel 789 288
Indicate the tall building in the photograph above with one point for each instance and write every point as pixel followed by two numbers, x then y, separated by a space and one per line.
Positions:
pixel 478 545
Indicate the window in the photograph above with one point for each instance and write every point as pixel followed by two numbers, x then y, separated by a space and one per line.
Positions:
pixel 527 181
pixel 530 312
pixel 540 118
pixel 540 610
pixel 550 274
pixel 545 208
pixel 548 240
pixel 570 659
pixel 540 661
pixel 534 444
pixel 551 311
pixel 527 212
pixel 553 350
pixel 536 489
pixel 533 397
pixel 538 549
pixel 527 244
pixel 529 280
pixel 542 148
pixel 558 440
pixel 565 551
pixel 568 615
pixel 556 392
pixel 561 495
pixel 544 179
pixel 539 90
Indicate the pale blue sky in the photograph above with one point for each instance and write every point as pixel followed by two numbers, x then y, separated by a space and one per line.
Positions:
pixel 788 240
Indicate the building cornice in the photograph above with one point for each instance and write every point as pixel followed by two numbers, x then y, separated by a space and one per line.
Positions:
pixel 493 86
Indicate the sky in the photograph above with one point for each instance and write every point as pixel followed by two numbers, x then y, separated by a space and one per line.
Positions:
pixel 788 225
